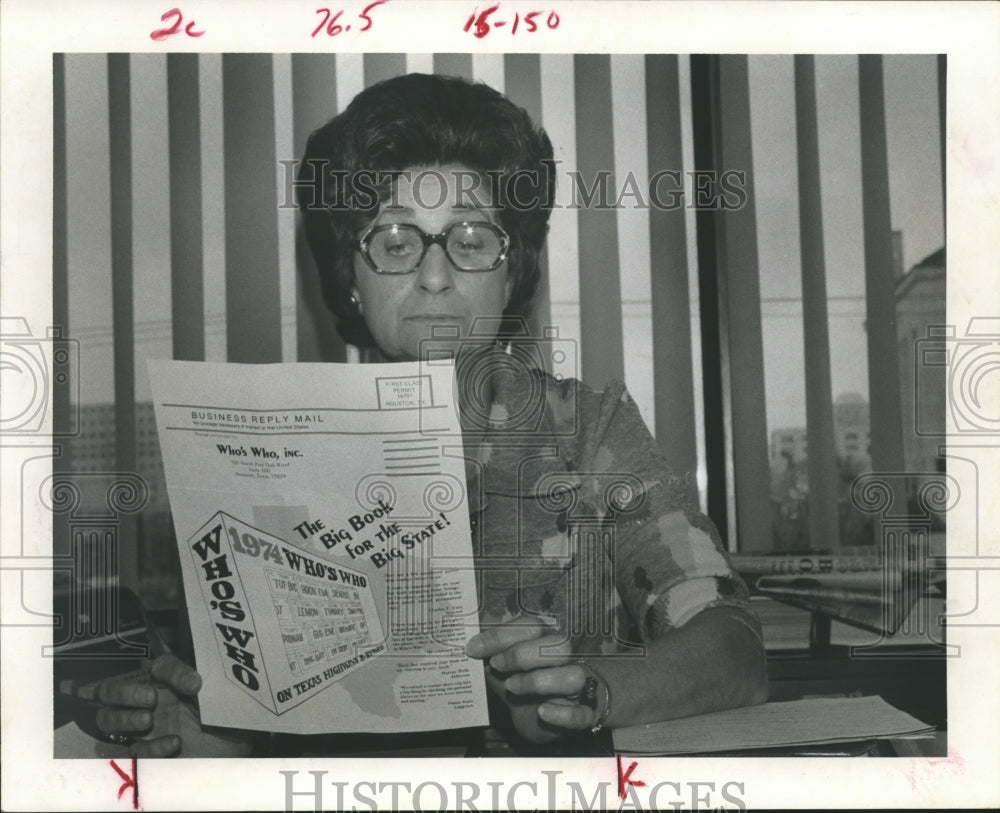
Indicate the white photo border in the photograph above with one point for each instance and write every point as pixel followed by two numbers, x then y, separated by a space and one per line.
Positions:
pixel 30 32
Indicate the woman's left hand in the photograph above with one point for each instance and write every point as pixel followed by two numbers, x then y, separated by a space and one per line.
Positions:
pixel 532 667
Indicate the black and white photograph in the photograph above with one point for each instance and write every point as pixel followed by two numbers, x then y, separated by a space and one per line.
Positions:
pixel 456 406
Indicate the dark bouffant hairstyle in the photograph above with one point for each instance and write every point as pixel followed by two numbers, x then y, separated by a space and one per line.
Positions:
pixel 421 120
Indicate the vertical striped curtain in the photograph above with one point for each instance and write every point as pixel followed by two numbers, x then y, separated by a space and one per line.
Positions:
pixel 181 229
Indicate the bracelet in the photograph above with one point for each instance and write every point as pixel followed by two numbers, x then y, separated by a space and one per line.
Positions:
pixel 589 693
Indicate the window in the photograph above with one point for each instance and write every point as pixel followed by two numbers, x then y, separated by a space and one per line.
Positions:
pixel 842 247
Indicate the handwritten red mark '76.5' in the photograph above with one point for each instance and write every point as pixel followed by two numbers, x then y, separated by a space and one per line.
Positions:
pixel 333 27
pixel 160 34
pixel 130 782
pixel 624 779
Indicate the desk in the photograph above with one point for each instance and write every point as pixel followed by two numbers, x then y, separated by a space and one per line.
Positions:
pixel 913 681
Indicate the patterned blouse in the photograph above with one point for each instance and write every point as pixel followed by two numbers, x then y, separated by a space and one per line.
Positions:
pixel 577 518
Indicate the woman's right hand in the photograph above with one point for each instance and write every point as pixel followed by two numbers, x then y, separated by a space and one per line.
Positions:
pixel 531 667
pixel 161 712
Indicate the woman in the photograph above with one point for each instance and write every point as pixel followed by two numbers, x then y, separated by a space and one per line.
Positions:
pixel 426 205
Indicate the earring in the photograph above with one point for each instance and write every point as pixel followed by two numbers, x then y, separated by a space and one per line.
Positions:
pixel 355 303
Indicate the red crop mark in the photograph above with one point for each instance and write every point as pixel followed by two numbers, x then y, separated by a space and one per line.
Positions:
pixel 129 781
pixel 624 779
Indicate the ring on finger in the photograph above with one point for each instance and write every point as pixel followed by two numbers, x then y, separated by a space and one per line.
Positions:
pixel 587 696
pixel 120 739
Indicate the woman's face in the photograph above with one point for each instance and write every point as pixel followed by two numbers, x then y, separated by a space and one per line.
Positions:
pixel 400 310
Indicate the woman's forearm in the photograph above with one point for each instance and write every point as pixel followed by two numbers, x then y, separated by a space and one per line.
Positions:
pixel 711 663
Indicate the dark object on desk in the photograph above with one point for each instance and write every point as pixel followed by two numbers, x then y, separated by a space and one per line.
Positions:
pixel 100 632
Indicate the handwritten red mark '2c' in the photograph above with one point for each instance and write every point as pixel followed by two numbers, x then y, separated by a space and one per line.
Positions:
pixel 160 34
pixel 129 781
pixel 624 779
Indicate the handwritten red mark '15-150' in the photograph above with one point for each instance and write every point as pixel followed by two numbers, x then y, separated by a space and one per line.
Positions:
pixel 481 21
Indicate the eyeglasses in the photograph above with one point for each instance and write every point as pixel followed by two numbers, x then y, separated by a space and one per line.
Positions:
pixel 399 248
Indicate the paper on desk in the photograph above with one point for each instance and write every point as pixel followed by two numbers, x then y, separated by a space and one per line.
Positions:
pixel 816 721
pixel 317 508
